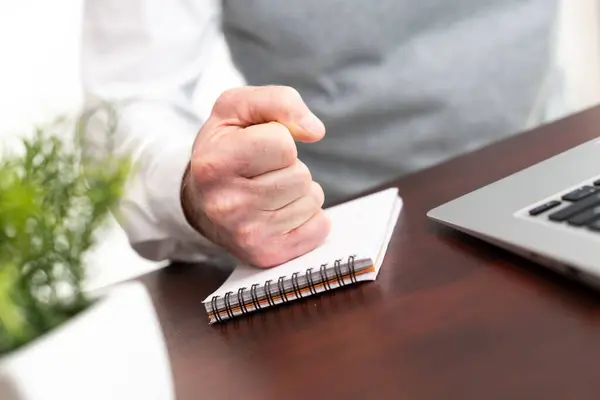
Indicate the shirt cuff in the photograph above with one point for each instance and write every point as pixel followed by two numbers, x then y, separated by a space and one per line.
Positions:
pixel 164 180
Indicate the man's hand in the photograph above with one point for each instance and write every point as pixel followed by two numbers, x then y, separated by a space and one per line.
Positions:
pixel 245 188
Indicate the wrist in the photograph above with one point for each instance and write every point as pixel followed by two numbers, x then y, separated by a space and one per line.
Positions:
pixel 187 201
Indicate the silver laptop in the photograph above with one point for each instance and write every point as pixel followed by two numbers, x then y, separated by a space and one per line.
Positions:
pixel 549 213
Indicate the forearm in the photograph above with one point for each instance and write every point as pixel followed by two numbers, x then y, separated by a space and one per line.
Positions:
pixel 158 141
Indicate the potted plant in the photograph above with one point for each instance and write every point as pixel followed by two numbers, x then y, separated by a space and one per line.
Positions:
pixel 58 341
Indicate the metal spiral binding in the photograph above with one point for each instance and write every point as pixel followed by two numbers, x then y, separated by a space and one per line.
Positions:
pixel 241 301
pixel 254 296
pixel 228 308
pixel 281 287
pixel 323 273
pixel 352 269
pixel 213 304
pixel 296 285
pixel 268 293
pixel 337 268
pixel 312 286
pixel 310 282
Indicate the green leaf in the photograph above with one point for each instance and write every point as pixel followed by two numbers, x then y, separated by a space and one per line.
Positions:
pixel 53 199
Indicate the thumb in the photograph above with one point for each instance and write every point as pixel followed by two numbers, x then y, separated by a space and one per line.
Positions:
pixel 251 105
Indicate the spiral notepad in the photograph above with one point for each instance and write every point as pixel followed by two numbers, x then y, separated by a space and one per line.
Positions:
pixel 354 250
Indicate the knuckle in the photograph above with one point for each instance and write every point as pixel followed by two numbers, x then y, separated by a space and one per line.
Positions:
pixel 276 188
pixel 288 94
pixel 323 226
pixel 213 208
pixel 226 99
pixel 287 149
pixel 205 169
pixel 218 207
pixel 290 101
pixel 304 174
pixel 319 194
pixel 301 178
pixel 245 235
pixel 287 98
pixel 283 93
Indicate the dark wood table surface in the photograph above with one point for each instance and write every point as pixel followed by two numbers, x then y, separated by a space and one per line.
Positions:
pixel 449 317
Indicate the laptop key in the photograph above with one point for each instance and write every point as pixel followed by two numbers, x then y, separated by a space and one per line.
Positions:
pixel 594 226
pixel 544 207
pixel 585 217
pixel 580 193
pixel 565 213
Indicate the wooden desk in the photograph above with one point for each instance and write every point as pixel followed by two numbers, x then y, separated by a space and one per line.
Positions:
pixel 448 318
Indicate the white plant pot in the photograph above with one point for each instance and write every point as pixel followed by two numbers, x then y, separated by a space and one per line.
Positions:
pixel 113 350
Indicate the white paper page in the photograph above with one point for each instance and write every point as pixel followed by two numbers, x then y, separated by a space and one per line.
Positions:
pixel 378 260
pixel 359 227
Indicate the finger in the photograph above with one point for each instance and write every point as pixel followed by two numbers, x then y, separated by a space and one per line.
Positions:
pixel 250 105
pixel 277 189
pixel 298 212
pixel 308 236
pixel 260 149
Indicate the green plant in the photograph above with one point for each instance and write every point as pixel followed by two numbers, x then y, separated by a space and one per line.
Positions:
pixel 53 198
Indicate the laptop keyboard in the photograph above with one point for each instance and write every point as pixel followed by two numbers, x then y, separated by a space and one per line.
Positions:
pixel 580 208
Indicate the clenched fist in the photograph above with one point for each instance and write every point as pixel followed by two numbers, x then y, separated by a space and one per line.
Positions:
pixel 245 188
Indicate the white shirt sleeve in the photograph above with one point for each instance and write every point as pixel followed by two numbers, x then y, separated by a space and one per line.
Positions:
pixel 147 57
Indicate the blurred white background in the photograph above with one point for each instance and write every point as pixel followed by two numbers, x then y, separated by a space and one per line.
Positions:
pixel 39 79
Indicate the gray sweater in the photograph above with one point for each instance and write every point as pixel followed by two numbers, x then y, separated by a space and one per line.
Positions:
pixel 400 84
